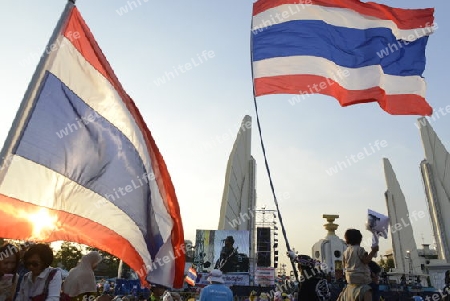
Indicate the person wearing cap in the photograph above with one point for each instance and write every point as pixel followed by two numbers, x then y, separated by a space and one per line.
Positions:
pixel 313 285
pixel 217 290
pixel 228 256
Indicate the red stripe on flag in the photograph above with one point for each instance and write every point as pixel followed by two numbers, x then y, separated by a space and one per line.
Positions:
pixel 404 18
pixel 401 104
pixel 69 227
pixel 88 47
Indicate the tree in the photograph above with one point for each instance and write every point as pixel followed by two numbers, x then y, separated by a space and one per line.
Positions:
pixel 68 256
pixel 387 264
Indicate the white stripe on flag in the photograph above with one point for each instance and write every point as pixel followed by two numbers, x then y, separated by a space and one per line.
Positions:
pixel 97 92
pixel 50 189
pixel 341 17
pixel 349 78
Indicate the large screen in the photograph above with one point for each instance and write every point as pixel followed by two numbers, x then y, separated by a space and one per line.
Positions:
pixel 226 250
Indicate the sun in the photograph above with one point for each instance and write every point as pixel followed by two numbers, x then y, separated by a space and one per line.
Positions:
pixel 43 223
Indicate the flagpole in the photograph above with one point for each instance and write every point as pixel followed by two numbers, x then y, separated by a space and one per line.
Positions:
pixel 283 230
pixel 29 99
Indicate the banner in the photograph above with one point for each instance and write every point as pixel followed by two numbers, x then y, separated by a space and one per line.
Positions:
pixel 265 276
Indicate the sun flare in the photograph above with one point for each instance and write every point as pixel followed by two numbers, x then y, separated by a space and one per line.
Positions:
pixel 43 223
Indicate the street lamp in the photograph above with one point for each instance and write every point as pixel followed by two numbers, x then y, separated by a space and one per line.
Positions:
pixel 408 257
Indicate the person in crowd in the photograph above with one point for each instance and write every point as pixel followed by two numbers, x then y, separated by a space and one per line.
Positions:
pixel 228 256
pixel 9 263
pixel 313 285
pixel 252 296
pixel 190 297
pixel 357 272
pixel 41 283
pixel 175 296
pixel 81 280
pixel 375 271
pixel 446 289
pixel 167 296
pixel 106 287
pixel 216 290
pixel 403 281
pixel 277 296
pixel 21 269
pixel 263 297
pixel 158 292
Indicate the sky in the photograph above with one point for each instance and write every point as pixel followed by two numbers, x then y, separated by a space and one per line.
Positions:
pixel 194 117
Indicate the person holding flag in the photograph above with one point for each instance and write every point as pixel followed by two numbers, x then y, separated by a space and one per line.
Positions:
pixel 357 272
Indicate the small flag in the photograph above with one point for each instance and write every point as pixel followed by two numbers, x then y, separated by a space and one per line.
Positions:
pixel 353 51
pixel 81 165
pixel 191 276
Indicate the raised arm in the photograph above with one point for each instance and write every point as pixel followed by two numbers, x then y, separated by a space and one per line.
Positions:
pixel 368 257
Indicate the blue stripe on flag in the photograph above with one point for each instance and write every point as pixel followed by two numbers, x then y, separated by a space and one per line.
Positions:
pixel 347 47
pixel 69 137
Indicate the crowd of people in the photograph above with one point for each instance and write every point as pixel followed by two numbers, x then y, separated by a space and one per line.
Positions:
pixel 26 275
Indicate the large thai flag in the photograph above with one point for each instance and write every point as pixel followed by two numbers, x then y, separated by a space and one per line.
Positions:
pixel 81 165
pixel 356 52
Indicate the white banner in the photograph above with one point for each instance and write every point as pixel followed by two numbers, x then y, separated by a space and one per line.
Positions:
pixel 229 278
pixel 265 276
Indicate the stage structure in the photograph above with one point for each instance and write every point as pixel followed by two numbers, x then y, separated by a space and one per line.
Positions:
pixel 266 238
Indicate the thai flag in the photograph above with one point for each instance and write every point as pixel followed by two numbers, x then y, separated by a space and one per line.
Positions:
pixel 353 51
pixel 81 165
pixel 191 276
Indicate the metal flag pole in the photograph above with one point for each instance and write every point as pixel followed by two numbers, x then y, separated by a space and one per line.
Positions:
pixel 283 230
pixel 29 98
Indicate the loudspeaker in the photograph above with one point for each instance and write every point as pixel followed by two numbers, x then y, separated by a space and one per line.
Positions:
pixel 263 246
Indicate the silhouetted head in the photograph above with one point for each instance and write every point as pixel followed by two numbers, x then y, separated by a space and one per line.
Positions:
pixel 353 237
